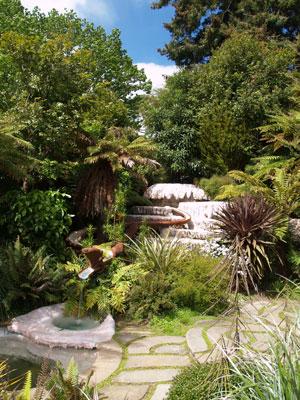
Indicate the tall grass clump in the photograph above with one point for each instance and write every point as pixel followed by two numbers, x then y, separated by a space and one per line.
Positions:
pixel 273 374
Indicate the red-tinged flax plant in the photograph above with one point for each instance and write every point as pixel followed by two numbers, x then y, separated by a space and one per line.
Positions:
pixel 251 226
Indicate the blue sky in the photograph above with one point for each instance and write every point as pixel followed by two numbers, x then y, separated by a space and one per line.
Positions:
pixel 142 31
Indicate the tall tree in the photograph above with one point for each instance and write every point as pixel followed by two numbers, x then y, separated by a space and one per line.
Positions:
pixel 66 81
pixel 200 26
pixel 218 106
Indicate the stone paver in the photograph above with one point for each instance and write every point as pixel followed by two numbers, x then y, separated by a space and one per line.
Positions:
pixel 215 333
pixel 108 360
pixel 195 340
pixel 144 345
pixel 157 361
pixel 147 375
pixel 126 338
pixel 212 322
pixel 171 348
pixel 161 391
pixel 128 392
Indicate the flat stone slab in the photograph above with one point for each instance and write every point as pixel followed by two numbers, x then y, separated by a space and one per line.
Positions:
pixel 161 391
pixel 37 326
pixel 108 360
pixel 128 392
pixel 171 348
pixel 157 361
pixel 212 322
pixel 126 338
pixel 195 340
pixel 147 375
pixel 144 345
pixel 215 333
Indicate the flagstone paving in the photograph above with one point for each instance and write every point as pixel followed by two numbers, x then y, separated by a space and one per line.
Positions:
pixel 150 362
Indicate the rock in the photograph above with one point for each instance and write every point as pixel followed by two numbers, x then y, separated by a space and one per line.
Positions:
pixel 161 391
pixel 147 375
pixel 144 345
pixel 170 194
pixel 157 361
pixel 294 228
pixel 171 348
pixel 37 325
pixel 127 392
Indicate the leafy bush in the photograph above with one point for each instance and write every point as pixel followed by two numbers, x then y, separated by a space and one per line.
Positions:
pixel 151 295
pixel 194 288
pixel 213 185
pixel 27 280
pixel 158 256
pixel 199 381
pixel 40 218
pixel 101 294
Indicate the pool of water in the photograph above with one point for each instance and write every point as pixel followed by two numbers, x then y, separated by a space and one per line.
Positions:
pixel 23 354
pixel 17 367
pixel 75 324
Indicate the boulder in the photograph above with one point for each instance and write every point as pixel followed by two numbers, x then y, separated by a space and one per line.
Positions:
pixel 171 194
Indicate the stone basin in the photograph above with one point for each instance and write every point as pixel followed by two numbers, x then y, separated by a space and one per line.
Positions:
pixel 38 326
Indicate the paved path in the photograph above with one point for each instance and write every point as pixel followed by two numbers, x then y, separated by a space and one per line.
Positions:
pixel 145 364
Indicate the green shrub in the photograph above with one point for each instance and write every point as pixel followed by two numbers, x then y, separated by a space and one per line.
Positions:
pixel 151 295
pixel 28 280
pixel 213 185
pixel 194 288
pixel 101 294
pixel 39 218
pixel 198 382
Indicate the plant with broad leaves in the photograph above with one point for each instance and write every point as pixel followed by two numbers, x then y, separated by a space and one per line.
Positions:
pixel 251 226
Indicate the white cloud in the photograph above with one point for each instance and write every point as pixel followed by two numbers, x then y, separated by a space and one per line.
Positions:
pixel 156 73
pixel 59 5
pixel 100 8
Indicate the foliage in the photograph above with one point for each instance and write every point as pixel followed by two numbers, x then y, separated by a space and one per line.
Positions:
pixel 13 161
pixel 40 218
pixel 26 390
pixel 115 217
pixel 193 287
pixel 54 385
pixel 157 254
pixel 5 381
pixel 200 381
pixel 88 241
pixel 251 226
pixel 101 294
pixel 64 83
pixel 176 322
pixel 222 143
pixel 212 185
pixel 151 295
pixel 169 117
pixel 245 80
pixel 199 27
pixel 27 281
pixel 277 180
pixel 273 374
pixel 121 149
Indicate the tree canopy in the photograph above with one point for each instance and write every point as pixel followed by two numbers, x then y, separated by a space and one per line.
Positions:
pixel 64 83
pixel 200 26
pixel 206 118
